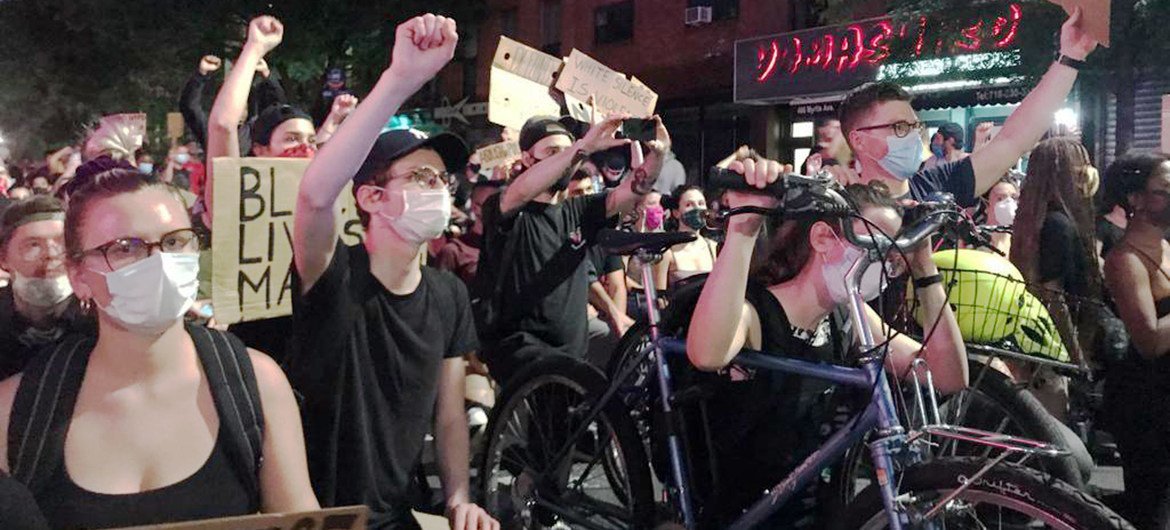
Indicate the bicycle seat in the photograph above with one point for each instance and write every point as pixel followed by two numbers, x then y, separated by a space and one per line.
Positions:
pixel 627 243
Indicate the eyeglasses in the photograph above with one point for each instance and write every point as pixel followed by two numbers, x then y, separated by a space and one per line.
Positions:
pixel 35 249
pixel 901 128
pixel 129 250
pixel 427 176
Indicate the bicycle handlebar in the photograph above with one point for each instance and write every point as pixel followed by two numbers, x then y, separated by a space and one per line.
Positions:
pixel 821 194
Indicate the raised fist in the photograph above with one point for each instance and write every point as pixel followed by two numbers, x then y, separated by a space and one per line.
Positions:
pixel 209 63
pixel 343 105
pixel 423 45
pixel 265 33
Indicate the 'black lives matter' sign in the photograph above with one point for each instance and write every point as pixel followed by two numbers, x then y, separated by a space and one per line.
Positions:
pixel 251 242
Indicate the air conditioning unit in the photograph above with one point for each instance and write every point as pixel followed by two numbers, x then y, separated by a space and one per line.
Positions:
pixel 697 16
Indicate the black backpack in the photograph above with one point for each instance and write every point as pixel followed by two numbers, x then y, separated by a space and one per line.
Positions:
pixel 50 384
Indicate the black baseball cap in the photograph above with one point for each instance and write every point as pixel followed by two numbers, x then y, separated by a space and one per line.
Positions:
pixel 397 143
pixel 271 118
pixel 538 128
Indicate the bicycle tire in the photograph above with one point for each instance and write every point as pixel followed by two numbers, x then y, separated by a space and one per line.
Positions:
pixel 579 383
pixel 1056 503
pixel 1033 422
pixel 998 399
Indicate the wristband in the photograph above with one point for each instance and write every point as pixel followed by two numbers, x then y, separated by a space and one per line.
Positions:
pixel 927 281
pixel 1075 64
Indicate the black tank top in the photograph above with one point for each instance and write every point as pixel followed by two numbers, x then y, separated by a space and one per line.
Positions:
pixel 213 491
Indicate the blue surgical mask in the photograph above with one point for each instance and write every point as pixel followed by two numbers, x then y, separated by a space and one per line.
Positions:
pixel 146 168
pixel 904 156
pixel 938 151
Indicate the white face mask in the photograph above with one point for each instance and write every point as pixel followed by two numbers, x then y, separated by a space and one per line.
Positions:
pixel 149 296
pixel 873 282
pixel 182 158
pixel 41 292
pixel 1005 212
pixel 425 215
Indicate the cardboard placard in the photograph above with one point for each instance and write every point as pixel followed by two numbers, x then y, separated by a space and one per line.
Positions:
pixel 498 154
pixel 345 518
pixel 175 125
pixel 1166 123
pixel 521 78
pixel 252 232
pixel 584 76
pixel 1094 16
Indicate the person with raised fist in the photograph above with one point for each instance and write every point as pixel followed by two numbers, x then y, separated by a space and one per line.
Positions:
pixel 380 340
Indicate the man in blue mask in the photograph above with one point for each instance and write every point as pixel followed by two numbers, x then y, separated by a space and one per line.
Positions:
pixel 886 135
pixel 946 145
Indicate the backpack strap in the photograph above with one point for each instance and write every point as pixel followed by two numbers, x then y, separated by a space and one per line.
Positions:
pixel 232 381
pixel 42 409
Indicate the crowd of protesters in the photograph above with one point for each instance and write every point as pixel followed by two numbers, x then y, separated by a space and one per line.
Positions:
pixel 115 409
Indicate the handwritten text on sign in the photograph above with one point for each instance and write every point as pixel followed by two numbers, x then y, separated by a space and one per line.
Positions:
pixel 498 154
pixel 612 92
pixel 252 236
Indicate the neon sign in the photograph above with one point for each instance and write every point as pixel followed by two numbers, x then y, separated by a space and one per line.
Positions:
pixel 870 44
pixel 814 61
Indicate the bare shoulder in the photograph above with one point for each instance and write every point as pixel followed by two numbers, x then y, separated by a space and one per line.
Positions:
pixel 269 376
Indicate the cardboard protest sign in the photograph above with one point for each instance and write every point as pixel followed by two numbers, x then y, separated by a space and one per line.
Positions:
pixel 612 92
pixel 345 518
pixel 498 154
pixel 581 110
pixel 1094 16
pixel 175 125
pixel 251 238
pixel 520 81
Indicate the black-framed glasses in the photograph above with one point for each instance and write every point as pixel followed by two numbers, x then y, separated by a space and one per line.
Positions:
pixel 901 128
pixel 129 250
pixel 426 176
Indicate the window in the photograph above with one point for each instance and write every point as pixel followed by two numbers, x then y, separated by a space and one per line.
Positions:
pixel 550 27
pixel 508 23
pixel 614 23
pixel 720 9
pixel 803 129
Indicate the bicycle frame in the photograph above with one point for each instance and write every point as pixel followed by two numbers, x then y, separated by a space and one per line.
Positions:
pixel 880 416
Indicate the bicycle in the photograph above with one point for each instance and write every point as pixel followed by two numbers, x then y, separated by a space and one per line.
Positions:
pixel 535 474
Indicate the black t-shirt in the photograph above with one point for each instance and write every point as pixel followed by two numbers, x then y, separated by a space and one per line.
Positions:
pixel 20 340
pixel 956 178
pixel 1064 256
pixel 767 422
pixel 367 363
pixel 601 263
pixel 545 285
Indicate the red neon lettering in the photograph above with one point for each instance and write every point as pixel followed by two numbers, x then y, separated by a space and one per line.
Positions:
pixel 798 60
pixel 851 58
pixel 769 66
pixel 921 37
pixel 879 45
pixel 1006 29
pixel 971 34
pixel 822 53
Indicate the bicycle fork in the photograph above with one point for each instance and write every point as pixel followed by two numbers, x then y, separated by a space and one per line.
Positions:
pixel 674 441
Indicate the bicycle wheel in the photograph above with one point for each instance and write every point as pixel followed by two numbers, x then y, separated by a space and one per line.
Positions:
pixel 603 482
pixel 1008 496
pixel 994 403
pixel 637 390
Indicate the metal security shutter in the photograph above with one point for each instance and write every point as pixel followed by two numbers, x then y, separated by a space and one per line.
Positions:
pixel 1147 115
